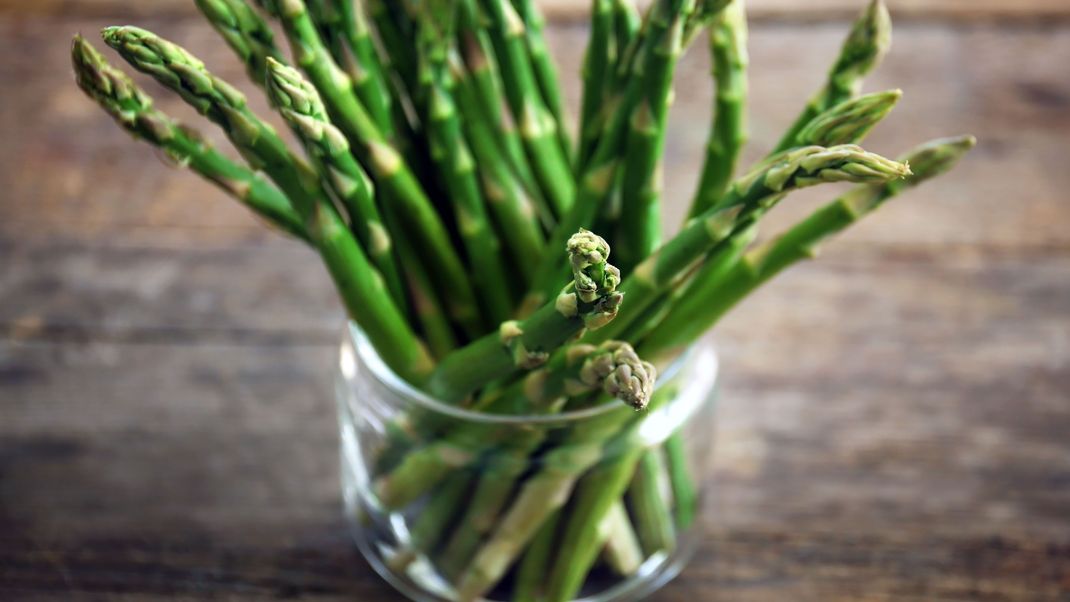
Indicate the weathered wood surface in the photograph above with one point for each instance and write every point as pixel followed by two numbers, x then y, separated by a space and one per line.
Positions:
pixel 575 9
pixel 893 424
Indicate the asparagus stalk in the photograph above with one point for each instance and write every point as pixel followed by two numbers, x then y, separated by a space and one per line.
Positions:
pixel 450 151
pixel 706 13
pixel 300 105
pixel 542 494
pixel 434 519
pixel 590 302
pixel 626 22
pixel 175 68
pixel 246 32
pixel 639 229
pixel 710 298
pixel 343 32
pixel 392 174
pixel 427 307
pixel 482 70
pixel 531 575
pixel 544 69
pixel 133 109
pixel 369 76
pixel 612 367
pixel 685 500
pixel 666 20
pixel 606 481
pixel 863 50
pixel 653 520
pixel 509 204
pixel 538 128
pixel 597 64
pixel 622 551
pixel 728 134
pixel 746 199
pixel 359 284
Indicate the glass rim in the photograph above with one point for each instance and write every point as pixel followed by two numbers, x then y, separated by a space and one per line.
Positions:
pixel 388 378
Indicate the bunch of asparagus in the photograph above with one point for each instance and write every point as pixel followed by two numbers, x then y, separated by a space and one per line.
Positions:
pixel 457 218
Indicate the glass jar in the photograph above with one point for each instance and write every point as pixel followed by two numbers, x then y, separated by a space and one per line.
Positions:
pixel 594 504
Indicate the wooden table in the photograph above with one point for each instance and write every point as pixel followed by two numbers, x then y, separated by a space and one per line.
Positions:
pixel 895 419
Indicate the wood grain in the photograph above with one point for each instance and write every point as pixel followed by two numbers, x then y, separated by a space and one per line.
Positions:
pixel 893 420
pixel 565 10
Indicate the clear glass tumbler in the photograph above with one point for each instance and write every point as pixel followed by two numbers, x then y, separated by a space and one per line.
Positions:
pixel 449 504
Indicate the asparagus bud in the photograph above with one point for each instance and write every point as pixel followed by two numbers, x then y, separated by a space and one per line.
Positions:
pixel 865 46
pixel 590 301
pixel 133 109
pixel 616 368
pixel 301 106
pixel 180 71
pixel 746 200
pixel 177 69
pixel 850 121
pixel 715 293
pixel 932 159
pixel 588 253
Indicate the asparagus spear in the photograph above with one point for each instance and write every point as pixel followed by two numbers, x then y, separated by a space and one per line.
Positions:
pixel 426 305
pixel 538 128
pixel 626 22
pixel 531 575
pixel 595 496
pixel 590 302
pixel 392 174
pixel 132 109
pixel 706 12
pixel 370 79
pixel 849 121
pixel 710 298
pixel 300 105
pixel 747 199
pixel 665 22
pixel 597 64
pixel 257 141
pixel 863 49
pixel 622 551
pixel 358 283
pixel 245 31
pixel 728 134
pixel 685 500
pixel 542 494
pixel 449 148
pixel 606 482
pixel 509 204
pixel 612 367
pixel 434 519
pixel 542 65
pixel 653 521
pixel 486 85
pixel 639 229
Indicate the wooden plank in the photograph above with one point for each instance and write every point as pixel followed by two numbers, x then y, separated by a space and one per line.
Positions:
pixel 886 431
pixel 1007 196
pixel 569 10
